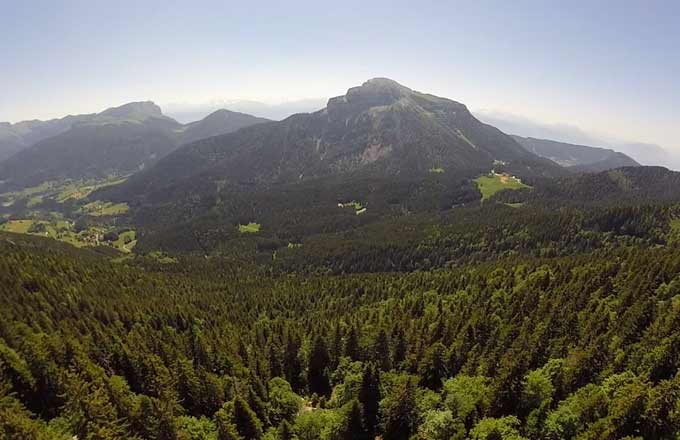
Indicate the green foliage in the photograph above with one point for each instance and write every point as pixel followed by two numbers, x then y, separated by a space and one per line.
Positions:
pixel 285 432
pixel 283 402
pixel 399 411
pixel 506 428
pixel 317 424
pixel 440 425
pixel 467 397
pixel 238 414
pixel 191 428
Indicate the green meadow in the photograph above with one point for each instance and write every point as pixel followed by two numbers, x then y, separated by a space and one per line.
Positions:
pixel 492 183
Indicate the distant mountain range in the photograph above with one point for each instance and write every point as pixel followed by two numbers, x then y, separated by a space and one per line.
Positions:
pixel 381 151
pixel 119 140
pixel 393 149
pixel 186 113
pixel 577 158
pixel 643 153
pixel 380 128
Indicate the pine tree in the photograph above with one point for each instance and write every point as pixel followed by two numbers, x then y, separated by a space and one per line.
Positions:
pixel 257 405
pixel 317 374
pixel 352 426
pixel 226 430
pixel 369 397
pixel 351 348
pixel 285 431
pixel 381 351
pixel 245 420
pixel 399 348
pixel 291 364
pixel 432 368
pixel 399 419
pixel 275 367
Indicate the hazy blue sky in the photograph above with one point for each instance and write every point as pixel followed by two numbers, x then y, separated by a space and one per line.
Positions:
pixel 608 66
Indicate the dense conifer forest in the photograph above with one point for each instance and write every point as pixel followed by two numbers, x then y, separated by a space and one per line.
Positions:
pixel 527 345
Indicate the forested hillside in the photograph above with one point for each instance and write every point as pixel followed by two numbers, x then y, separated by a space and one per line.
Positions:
pixel 572 347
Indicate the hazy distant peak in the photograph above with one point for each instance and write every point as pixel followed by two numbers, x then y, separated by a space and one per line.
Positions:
pixel 134 110
pixel 384 86
pixel 376 92
pixel 223 114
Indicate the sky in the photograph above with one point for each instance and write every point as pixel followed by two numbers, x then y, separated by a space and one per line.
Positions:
pixel 608 67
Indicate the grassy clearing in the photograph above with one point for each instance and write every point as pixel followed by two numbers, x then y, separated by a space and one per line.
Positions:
pixel 358 207
pixel 126 241
pixel 353 204
pixel 674 235
pixel 34 201
pixel 58 191
pixel 675 225
pixel 250 228
pixel 515 205
pixel 17 226
pixel 437 170
pixel 491 184
pixel 162 258
pixel 63 230
pixel 100 209
pixel 80 190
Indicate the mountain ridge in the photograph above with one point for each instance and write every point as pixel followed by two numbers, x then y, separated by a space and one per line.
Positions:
pixel 380 125
pixel 577 158
pixel 119 140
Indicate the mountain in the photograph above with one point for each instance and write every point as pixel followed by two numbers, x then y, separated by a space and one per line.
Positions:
pixel 396 150
pixel 10 141
pixel 380 128
pixel 117 141
pixel 16 137
pixel 648 154
pixel 643 153
pixel 191 112
pixel 578 158
pixel 631 186
pixel 219 122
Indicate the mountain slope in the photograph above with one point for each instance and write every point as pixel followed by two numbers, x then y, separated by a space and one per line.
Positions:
pixel 10 141
pixel 622 186
pixel 16 137
pixel 119 140
pixel 219 122
pixel 395 150
pixel 379 129
pixel 578 158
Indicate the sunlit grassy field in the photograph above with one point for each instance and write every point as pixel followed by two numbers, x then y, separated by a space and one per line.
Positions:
pixel 491 184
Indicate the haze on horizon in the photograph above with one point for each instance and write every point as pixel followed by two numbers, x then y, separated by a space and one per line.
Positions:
pixel 608 68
